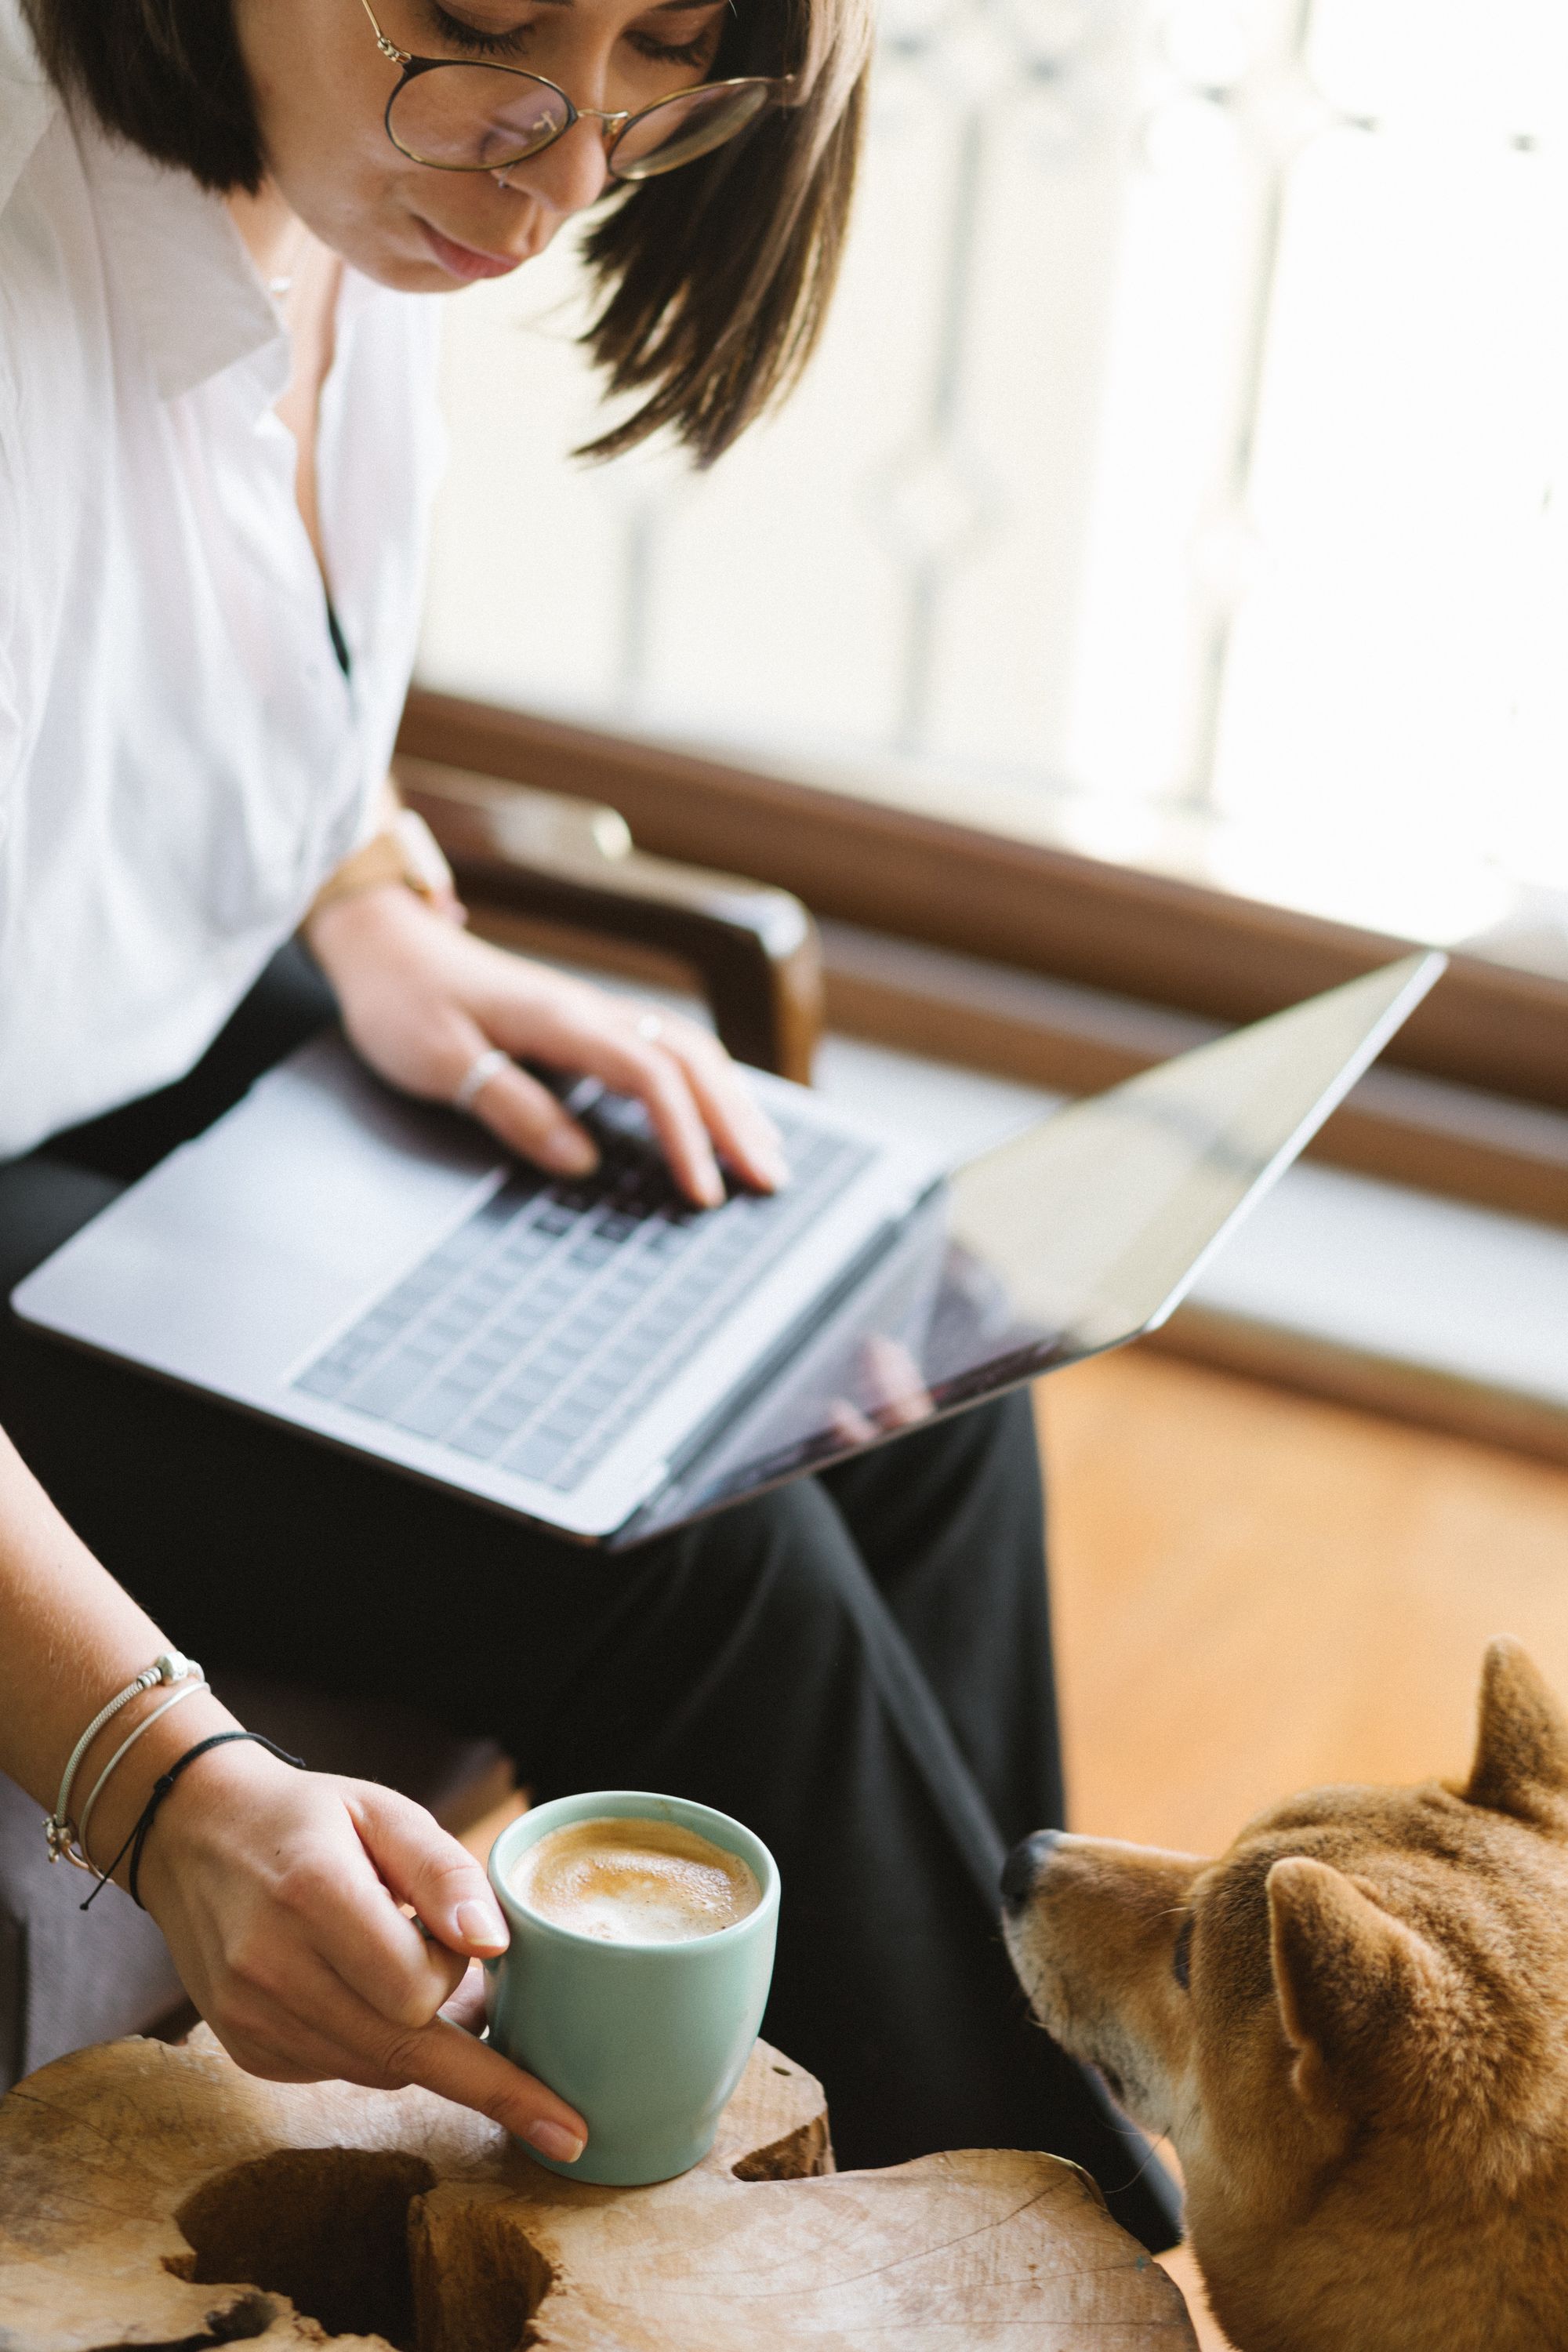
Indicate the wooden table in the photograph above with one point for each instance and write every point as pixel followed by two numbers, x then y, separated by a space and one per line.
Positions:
pixel 158 2197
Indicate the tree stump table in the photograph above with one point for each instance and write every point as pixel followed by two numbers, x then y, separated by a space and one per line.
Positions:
pixel 160 2197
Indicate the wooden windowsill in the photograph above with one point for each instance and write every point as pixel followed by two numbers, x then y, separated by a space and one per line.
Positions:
pixel 1147 937
pixel 1064 971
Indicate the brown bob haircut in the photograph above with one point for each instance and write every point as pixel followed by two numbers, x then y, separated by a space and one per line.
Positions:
pixel 715 280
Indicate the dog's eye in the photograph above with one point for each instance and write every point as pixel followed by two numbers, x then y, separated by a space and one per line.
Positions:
pixel 1181 1954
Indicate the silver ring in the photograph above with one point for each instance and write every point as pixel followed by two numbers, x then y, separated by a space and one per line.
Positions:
pixel 477 1075
pixel 650 1025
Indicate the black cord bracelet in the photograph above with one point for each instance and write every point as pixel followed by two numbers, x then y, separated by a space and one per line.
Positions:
pixel 161 1788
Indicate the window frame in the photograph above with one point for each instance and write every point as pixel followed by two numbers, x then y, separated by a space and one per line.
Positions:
pixel 1466 1103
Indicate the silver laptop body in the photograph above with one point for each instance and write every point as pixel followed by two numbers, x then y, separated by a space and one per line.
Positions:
pixel 599 1358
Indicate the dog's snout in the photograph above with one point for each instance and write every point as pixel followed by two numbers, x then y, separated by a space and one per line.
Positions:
pixel 1024 1864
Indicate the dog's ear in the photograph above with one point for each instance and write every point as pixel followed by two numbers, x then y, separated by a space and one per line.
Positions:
pixel 1350 1979
pixel 1522 1748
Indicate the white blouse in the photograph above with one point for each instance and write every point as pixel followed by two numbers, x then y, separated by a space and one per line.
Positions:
pixel 182 760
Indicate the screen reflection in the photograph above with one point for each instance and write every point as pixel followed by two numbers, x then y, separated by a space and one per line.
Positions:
pixel 1084 1230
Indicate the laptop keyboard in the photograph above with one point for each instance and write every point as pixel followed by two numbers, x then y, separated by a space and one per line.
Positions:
pixel 534 1333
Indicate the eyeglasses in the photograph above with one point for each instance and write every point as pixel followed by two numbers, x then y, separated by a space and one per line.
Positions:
pixel 474 118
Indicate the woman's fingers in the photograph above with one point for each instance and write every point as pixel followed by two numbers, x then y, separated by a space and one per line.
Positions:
pixel 440 2057
pixel 465 2009
pixel 344 1899
pixel 403 1968
pixel 424 1003
pixel 589 1032
pixel 518 1110
pixel 422 1866
pixel 528 1120
pixel 322 2025
pixel 693 1092
pixel 341 1908
pixel 894 1386
pixel 734 1118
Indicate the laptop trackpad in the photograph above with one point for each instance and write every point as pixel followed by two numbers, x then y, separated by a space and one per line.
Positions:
pixel 238 1251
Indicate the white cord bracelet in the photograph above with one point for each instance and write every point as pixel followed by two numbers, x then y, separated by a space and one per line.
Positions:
pixel 169 1667
pixel 186 1690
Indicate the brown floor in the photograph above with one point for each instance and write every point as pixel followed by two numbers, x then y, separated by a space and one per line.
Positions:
pixel 1255 1593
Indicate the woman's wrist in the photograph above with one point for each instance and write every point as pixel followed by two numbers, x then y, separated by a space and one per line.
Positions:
pixel 203 1813
pixel 130 1785
pixel 402 854
pixel 335 931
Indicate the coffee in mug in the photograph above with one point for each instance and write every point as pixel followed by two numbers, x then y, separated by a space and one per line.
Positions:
pixel 633 1882
pixel 642 1946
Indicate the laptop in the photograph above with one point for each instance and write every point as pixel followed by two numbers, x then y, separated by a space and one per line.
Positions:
pixel 601 1359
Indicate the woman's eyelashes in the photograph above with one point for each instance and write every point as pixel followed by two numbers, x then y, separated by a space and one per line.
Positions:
pixel 464 36
pixel 696 53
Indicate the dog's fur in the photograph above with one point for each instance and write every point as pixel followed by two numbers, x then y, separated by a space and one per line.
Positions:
pixel 1354 2028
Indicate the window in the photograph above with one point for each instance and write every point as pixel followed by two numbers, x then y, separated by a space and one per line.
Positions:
pixel 1183 478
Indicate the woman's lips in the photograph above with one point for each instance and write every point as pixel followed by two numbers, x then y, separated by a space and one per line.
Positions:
pixel 466 261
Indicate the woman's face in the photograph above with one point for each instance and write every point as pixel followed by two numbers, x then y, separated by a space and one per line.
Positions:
pixel 321 87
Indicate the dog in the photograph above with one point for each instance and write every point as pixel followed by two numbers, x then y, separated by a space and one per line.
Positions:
pixel 1354 2027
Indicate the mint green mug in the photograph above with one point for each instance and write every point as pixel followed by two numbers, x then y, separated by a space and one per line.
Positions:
pixel 647 2041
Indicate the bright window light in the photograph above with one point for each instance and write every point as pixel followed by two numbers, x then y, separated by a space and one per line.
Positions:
pixel 1183 476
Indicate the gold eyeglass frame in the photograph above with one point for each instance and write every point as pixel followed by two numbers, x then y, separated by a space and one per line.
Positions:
pixel 614 126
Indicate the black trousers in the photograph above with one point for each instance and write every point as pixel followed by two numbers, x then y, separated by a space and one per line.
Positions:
pixel 858 1665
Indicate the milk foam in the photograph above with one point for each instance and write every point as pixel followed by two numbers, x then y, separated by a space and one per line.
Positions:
pixel 629 1881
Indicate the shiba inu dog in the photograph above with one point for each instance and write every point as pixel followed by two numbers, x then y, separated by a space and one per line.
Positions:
pixel 1353 2026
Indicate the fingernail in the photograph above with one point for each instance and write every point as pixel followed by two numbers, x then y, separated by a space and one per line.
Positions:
pixel 481 1923
pixel 555 2141
pixel 773 1166
pixel 567 1149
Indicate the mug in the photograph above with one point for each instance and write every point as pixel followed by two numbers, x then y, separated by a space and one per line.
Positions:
pixel 647 2041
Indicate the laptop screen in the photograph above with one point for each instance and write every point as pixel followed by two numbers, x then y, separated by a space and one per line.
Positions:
pixel 1082 1233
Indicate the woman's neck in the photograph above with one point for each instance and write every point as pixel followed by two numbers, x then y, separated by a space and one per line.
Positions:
pixel 272 233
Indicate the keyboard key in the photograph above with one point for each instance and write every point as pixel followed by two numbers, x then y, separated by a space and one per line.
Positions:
pixel 534 1456
pixel 434 1409
pixel 566 1422
pixel 383 1390
pixel 482 1439
pixel 522 1249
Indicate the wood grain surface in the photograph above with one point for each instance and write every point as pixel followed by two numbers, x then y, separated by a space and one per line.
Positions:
pixel 158 2197
pixel 1257 1592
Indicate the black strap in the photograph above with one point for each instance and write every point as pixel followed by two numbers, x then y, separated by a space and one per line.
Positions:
pixel 161 1788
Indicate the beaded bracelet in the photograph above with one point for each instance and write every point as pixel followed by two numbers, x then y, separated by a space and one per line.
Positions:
pixel 137 1839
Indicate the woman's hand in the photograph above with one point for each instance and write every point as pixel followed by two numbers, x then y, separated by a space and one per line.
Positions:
pixel 421 1000
pixel 278 1894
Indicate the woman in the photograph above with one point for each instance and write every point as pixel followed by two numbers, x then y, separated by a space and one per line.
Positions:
pixel 219 222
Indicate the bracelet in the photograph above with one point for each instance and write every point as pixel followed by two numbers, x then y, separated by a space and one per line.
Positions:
pixel 169 1667
pixel 405 850
pixel 161 1788
pixel 186 1690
